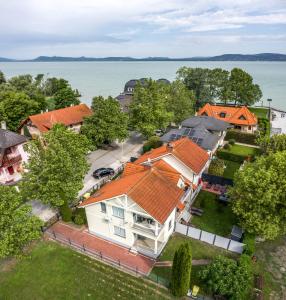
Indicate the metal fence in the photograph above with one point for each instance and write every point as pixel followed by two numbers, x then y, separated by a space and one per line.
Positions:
pixel 96 254
pixel 210 238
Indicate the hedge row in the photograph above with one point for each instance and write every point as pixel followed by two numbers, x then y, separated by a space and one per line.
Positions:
pixel 241 137
pixel 231 156
pixel 264 126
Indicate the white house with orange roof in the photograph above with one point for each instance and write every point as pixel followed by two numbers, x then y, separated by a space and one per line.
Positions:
pixel 139 209
pixel 239 116
pixel 72 117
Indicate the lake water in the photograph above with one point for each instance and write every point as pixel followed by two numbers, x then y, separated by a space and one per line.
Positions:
pixel 108 78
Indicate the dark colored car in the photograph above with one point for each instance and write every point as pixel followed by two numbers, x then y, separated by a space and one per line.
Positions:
pixel 103 172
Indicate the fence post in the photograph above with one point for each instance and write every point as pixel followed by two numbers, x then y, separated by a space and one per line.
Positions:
pixel 136 270
pixel 83 247
pixel 100 254
pixel 54 234
pixel 119 262
pixel 70 241
pixel 228 244
pixel 214 239
pixel 200 235
pixel 187 230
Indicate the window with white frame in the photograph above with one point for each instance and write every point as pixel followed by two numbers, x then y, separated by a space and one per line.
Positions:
pixel 103 207
pixel 118 212
pixel 119 231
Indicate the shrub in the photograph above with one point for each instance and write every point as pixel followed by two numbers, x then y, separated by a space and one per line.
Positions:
pixel 227 146
pixel 241 137
pixel 66 212
pixel 249 241
pixel 78 220
pixel 181 271
pixel 152 143
pixel 79 216
pixel 264 127
pixel 231 156
pixel 216 167
pixel 231 141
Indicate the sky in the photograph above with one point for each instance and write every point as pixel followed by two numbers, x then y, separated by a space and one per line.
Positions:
pixel 141 28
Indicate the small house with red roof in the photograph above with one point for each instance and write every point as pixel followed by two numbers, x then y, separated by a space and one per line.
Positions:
pixel 239 116
pixel 139 210
pixel 72 117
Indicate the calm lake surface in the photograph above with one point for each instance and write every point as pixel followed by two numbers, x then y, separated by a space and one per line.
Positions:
pixel 108 78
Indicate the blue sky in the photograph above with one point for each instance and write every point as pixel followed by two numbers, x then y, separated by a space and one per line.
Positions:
pixel 140 28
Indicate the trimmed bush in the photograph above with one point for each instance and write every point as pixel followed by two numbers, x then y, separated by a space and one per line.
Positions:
pixel 264 126
pixel 226 146
pixel 231 156
pixel 181 271
pixel 66 212
pixel 241 137
pixel 249 241
pixel 231 141
pixel 152 143
pixel 216 167
pixel 78 220
pixel 79 216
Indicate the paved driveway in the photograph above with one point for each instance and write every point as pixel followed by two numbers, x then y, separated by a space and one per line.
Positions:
pixel 111 158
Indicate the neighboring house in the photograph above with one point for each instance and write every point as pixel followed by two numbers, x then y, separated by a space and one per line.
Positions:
pixel 207 132
pixel 139 209
pixel 12 156
pixel 278 121
pixel 71 117
pixel 125 98
pixel 239 116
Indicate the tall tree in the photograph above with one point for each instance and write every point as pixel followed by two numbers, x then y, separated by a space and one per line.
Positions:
pixel 148 110
pixel 2 77
pixel 272 144
pixel 259 198
pixel 226 277
pixel 15 107
pixel 242 89
pixel 53 85
pixel 17 226
pixel 180 101
pixel 107 123
pixel 66 97
pixel 181 271
pixel 56 167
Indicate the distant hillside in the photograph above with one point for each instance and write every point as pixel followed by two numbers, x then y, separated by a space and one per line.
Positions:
pixel 224 57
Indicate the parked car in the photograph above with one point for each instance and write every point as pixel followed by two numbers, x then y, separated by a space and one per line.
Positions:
pixel 103 172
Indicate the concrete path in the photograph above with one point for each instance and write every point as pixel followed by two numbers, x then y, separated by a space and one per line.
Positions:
pixel 195 262
pixel 247 145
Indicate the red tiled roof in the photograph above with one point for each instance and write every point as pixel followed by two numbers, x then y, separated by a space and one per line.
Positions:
pixel 234 115
pixel 68 116
pixel 188 152
pixel 151 189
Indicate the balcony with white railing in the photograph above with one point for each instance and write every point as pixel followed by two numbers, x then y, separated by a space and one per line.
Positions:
pixel 146 225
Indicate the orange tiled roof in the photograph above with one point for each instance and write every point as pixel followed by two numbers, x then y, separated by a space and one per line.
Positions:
pixel 183 149
pixel 150 188
pixel 68 116
pixel 234 115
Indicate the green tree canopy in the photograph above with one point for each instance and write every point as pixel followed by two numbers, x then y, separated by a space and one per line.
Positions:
pixel 66 97
pixel 17 226
pixel 242 89
pixel 2 77
pixel 180 101
pixel 16 107
pixel 226 277
pixel 181 270
pixel 107 123
pixel 53 85
pixel 259 198
pixel 272 144
pixel 149 109
pixel 216 167
pixel 56 167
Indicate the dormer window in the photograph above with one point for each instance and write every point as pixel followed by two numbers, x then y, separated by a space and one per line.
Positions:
pixel 222 115
pixel 242 117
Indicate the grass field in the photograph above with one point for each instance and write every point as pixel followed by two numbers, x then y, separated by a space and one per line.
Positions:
pixel 217 218
pixel 52 271
pixel 260 112
pixel 242 150
pixel 231 168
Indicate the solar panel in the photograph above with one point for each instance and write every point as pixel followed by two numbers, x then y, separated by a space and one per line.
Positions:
pixel 191 133
pixel 199 142
pixel 173 137
pixel 178 136
pixel 187 131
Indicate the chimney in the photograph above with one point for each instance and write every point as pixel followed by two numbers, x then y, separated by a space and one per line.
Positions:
pixel 170 147
pixel 3 125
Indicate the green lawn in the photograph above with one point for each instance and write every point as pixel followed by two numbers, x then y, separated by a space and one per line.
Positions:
pixel 260 112
pixel 231 168
pixel 242 150
pixel 52 271
pixel 217 217
pixel 200 250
